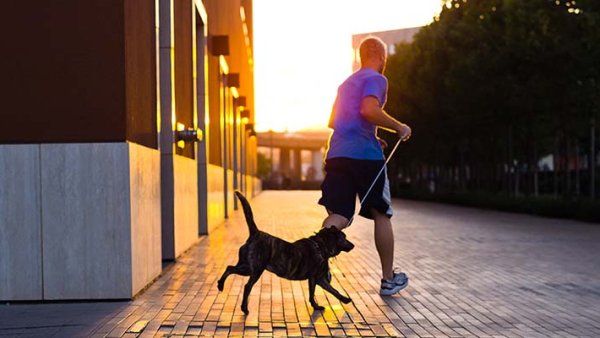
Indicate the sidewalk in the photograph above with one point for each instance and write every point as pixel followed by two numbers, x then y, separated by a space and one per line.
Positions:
pixel 473 273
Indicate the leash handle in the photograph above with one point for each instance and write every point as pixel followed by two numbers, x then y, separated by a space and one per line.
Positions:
pixel 376 178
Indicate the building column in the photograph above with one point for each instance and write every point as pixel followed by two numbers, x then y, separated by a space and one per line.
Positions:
pixel 317 163
pixel 166 138
pixel 284 167
pixel 297 172
pixel 284 161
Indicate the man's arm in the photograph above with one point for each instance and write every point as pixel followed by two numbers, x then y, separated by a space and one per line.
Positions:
pixel 372 112
pixel 331 115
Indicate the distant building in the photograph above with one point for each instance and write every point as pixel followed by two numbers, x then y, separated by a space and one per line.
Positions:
pixel 391 38
pixel 296 156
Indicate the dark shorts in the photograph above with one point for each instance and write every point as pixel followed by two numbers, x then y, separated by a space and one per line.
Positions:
pixel 345 178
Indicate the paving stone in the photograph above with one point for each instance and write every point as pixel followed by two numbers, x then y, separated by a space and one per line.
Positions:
pixel 473 273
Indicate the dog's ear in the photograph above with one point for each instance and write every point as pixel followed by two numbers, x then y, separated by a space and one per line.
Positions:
pixel 327 234
pixel 336 232
pixel 333 232
pixel 332 229
pixel 336 240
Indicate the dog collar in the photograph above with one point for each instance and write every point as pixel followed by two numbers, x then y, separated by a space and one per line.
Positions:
pixel 317 249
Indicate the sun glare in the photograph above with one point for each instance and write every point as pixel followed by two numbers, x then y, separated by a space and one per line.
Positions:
pixel 302 54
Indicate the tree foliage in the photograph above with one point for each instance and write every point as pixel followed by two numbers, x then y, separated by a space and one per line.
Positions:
pixel 491 87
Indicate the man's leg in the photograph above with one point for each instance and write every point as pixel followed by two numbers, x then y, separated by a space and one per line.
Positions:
pixel 384 242
pixel 335 220
pixel 338 192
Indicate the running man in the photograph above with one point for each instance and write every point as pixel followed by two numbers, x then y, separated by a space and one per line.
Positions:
pixel 355 156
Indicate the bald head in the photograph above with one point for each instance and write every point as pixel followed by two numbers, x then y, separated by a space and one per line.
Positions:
pixel 373 53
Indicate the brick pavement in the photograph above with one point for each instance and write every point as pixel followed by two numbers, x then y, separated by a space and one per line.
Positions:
pixel 473 273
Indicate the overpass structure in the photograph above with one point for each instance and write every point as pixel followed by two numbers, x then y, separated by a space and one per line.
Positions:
pixel 290 147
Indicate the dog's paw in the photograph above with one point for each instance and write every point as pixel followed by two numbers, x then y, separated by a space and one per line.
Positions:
pixel 245 309
pixel 346 300
pixel 317 307
pixel 220 285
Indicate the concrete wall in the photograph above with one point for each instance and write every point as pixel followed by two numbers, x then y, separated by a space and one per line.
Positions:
pixel 85 217
pixel 215 207
pixel 82 221
pixel 20 224
pixel 185 181
pixel 144 187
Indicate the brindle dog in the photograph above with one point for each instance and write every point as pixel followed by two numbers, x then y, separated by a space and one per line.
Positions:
pixel 304 259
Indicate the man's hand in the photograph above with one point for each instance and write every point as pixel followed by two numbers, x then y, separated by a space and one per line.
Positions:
pixel 404 132
pixel 373 113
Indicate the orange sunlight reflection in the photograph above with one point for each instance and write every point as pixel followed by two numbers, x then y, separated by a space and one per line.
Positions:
pixel 303 50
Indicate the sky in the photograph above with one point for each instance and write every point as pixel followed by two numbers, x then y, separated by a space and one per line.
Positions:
pixel 303 51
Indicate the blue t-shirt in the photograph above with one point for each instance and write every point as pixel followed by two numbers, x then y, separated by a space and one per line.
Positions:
pixel 353 136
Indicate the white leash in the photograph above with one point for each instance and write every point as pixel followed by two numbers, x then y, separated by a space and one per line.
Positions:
pixel 376 178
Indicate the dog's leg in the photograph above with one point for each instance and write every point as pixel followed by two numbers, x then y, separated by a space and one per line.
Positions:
pixel 327 287
pixel 312 283
pixel 237 269
pixel 248 287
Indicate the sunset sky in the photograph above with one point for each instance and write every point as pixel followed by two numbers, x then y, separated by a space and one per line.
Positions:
pixel 303 50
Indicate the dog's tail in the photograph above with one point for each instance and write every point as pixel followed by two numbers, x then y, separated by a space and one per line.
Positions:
pixel 247 213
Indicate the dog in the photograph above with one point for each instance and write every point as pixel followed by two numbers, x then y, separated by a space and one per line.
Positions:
pixel 307 258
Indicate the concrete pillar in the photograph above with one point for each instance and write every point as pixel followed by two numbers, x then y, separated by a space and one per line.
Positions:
pixel 235 151
pixel 284 161
pixel 317 163
pixel 167 106
pixel 202 110
pixel 297 172
pixel 179 174
pixel 284 167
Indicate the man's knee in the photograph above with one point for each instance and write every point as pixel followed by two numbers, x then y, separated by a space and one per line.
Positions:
pixel 380 217
pixel 335 220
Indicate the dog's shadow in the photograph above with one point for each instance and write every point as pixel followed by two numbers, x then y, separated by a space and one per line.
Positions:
pixel 336 315
pixel 333 311
pixel 316 315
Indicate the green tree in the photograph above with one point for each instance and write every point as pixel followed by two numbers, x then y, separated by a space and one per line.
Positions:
pixel 490 87
pixel 264 166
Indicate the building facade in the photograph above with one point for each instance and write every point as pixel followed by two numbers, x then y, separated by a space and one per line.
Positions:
pixel 390 38
pixel 125 129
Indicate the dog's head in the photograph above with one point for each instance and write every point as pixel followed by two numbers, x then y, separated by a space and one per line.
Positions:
pixel 335 241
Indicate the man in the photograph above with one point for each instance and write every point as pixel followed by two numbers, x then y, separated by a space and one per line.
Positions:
pixel 355 156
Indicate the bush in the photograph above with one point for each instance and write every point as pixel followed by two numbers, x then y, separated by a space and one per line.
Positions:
pixel 579 209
